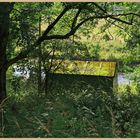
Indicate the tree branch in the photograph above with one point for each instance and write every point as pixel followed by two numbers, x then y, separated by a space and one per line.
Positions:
pixel 120 20
pixel 75 18
pixel 127 14
pixel 20 56
pixel 99 7
pixel 55 21
pixel 72 31
pixel 114 16
pixel 24 54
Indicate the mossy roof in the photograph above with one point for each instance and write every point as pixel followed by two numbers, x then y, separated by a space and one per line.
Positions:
pixel 96 68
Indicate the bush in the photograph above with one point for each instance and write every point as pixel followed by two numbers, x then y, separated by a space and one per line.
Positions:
pixel 71 113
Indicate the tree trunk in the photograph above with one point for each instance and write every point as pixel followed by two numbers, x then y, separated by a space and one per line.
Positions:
pixel 2 84
pixel 4 34
pixel 39 62
pixel 46 81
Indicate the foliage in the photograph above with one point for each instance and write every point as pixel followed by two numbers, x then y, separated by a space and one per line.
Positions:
pixel 71 113
pixel 83 31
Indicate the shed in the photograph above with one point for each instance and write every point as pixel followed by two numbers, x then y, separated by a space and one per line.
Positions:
pixel 101 75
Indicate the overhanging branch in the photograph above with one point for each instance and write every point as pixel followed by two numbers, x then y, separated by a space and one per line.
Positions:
pixel 117 15
pixel 72 31
pixel 55 21
pixel 75 18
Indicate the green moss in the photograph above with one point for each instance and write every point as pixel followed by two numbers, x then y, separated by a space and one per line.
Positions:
pixel 97 68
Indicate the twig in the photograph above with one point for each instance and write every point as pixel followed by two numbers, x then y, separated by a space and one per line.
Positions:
pixel 42 125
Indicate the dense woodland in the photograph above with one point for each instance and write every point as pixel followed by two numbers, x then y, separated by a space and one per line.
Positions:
pixel 33 35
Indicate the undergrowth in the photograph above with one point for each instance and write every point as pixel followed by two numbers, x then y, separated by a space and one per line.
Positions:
pixel 70 113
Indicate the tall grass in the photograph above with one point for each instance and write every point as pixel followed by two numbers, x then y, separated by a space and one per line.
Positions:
pixel 70 113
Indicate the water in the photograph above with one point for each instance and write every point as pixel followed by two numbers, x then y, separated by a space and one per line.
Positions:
pixel 24 73
pixel 122 79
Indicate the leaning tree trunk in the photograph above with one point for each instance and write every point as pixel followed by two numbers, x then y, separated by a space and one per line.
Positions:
pixel 4 33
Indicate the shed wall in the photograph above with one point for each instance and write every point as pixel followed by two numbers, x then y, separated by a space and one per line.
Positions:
pixel 69 81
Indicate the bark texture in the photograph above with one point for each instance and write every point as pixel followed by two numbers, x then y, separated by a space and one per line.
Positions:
pixel 4 34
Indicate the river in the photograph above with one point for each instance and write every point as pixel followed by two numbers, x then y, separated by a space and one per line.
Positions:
pixel 122 78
